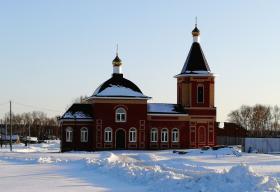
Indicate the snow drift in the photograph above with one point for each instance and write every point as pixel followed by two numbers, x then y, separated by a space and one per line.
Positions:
pixel 161 178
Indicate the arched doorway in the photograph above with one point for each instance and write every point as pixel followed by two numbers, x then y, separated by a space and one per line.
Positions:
pixel 120 139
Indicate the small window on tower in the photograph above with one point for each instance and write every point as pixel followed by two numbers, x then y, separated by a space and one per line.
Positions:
pixel 200 94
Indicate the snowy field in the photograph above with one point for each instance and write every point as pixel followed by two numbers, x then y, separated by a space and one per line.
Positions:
pixel 42 167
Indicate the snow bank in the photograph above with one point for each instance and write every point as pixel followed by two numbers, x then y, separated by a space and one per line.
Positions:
pixel 47 146
pixel 238 178
pixel 163 178
pixel 43 160
pixel 219 152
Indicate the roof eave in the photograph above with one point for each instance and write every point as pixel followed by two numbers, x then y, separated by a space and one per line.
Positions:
pixel 195 75
pixel 167 114
pixel 118 97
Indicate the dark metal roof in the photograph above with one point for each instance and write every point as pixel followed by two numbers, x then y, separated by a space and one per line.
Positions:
pixel 79 111
pixel 165 108
pixel 118 81
pixel 196 60
pixel 196 30
pixel 117 59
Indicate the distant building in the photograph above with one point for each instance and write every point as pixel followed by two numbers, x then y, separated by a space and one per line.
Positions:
pixel 119 116
pixel 230 134
pixel 231 130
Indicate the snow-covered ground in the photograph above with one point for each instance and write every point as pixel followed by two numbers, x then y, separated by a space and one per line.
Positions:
pixel 41 166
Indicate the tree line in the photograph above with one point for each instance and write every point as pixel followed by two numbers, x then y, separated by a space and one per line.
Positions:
pixel 259 120
pixel 34 124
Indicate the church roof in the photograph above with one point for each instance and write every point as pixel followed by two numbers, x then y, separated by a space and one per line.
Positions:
pixel 78 111
pixel 196 62
pixel 118 86
pixel 165 108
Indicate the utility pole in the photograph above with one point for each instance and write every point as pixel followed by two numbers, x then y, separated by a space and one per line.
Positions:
pixel 11 146
pixel 1 132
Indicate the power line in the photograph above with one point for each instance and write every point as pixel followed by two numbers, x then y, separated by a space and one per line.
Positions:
pixel 4 103
pixel 36 107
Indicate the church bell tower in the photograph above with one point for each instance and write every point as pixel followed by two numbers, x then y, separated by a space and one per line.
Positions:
pixel 195 92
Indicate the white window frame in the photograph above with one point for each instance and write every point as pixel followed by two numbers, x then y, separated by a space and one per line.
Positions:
pixel 120 115
pixel 175 135
pixel 108 135
pixel 154 135
pixel 132 134
pixel 164 135
pixel 69 134
pixel 84 134
pixel 198 86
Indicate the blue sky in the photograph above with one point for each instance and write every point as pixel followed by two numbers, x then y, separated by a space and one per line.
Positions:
pixel 51 52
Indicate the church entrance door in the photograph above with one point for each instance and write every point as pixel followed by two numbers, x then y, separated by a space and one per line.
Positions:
pixel 120 139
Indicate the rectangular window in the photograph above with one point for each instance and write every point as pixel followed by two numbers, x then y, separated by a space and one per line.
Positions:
pixel 154 135
pixel 164 136
pixel 69 136
pixel 175 136
pixel 200 94
pixel 84 136
pixel 120 117
pixel 108 136
pixel 132 136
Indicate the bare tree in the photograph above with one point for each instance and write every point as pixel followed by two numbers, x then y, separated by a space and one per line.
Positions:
pixel 259 120
pixel 35 124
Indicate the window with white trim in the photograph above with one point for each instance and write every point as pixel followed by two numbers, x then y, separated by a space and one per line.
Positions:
pixel 132 134
pixel 108 134
pixel 120 115
pixel 200 94
pixel 84 135
pixel 154 135
pixel 69 134
pixel 175 135
pixel 164 135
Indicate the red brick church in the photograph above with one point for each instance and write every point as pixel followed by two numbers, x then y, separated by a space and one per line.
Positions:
pixel 119 116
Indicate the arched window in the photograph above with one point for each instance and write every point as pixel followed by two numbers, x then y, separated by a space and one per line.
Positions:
pixel 120 115
pixel 175 135
pixel 164 135
pixel 69 134
pixel 108 134
pixel 154 135
pixel 132 134
pixel 84 134
pixel 200 94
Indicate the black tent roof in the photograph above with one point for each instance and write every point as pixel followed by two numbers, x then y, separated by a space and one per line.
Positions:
pixel 196 61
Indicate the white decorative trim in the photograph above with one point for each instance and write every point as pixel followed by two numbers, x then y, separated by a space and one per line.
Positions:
pixel 196 75
pixel 123 98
